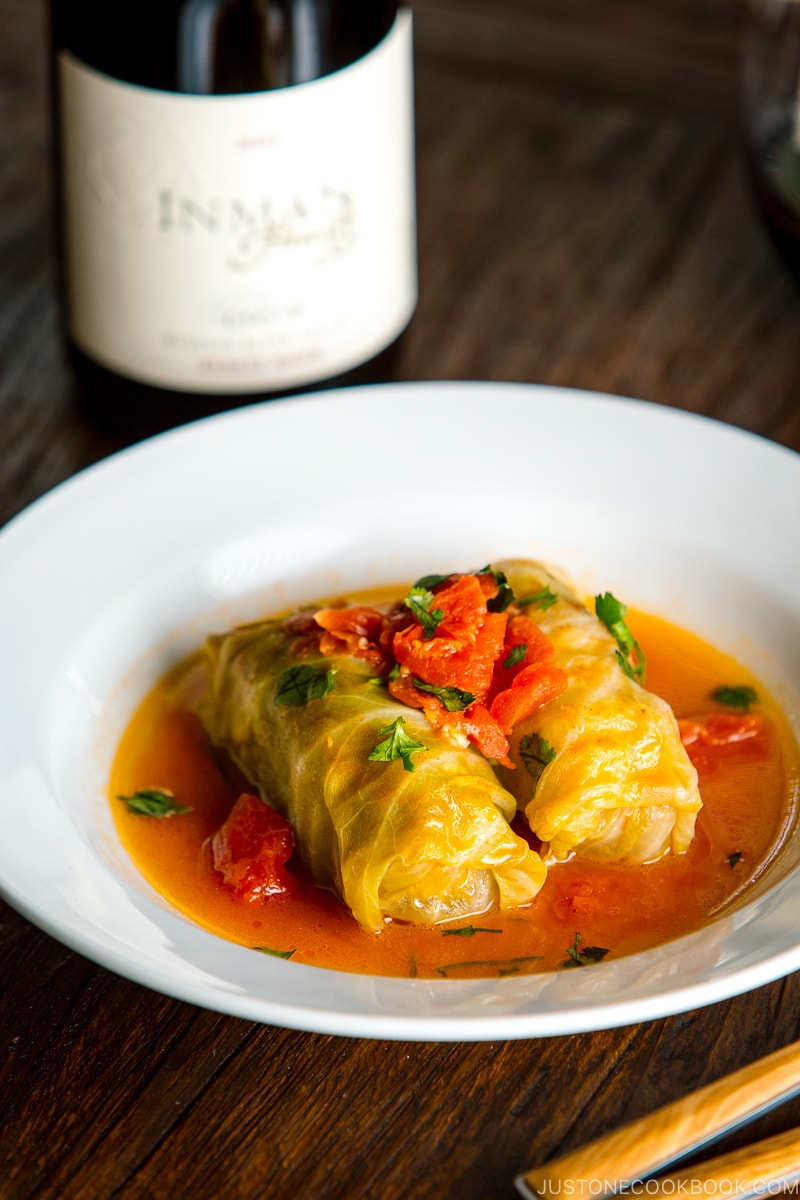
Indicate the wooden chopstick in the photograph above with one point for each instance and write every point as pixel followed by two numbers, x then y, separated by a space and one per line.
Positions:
pixel 752 1171
pixel 652 1142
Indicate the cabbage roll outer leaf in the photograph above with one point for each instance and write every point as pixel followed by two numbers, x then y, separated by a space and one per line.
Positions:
pixel 425 845
pixel 621 786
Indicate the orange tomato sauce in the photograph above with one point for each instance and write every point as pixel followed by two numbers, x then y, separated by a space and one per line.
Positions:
pixel 748 790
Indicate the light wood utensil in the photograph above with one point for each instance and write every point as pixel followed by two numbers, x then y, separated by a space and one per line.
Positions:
pixel 638 1150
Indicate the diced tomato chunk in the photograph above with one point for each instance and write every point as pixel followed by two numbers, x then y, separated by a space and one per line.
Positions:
pixel 403 689
pixel 501 662
pixel 358 621
pixel 488 584
pixel 465 645
pixel 356 630
pixel 721 729
pixel 720 737
pixel 532 687
pixel 475 721
pixel 463 608
pixel 251 849
pixel 483 729
pixel 521 631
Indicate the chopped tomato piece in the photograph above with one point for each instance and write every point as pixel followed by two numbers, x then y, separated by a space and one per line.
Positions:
pixel 720 737
pixel 463 608
pixel 465 645
pixel 721 728
pixel 502 662
pixel 403 689
pixel 521 631
pixel 488 584
pixel 304 631
pixel 445 662
pixel 532 687
pixel 482 729
pixel 475 721
pixel 358 622
pixel 356 630
pixel 251 849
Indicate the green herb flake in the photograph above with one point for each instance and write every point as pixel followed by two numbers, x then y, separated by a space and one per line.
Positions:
pixel 505 593
pixel 454 699
pixel 301 683
pixel 275 953
pixel 612 613
pixel 396 743
pixel 583 957
pixel 428 582
pixel 544 599
pixel 735 697
pixel 733 859
pixel 153 802
pixel 516 655
pixel 420 602
pixel 535 752
pixel 468 931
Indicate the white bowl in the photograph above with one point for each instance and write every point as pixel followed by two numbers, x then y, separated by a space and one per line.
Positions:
pixel 118 573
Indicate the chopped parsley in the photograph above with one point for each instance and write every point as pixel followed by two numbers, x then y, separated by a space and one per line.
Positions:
pixel 505 593
pixel 516 655
pixel 733 859
pixel 299 684
pixel 429 582
pixel 612 613
pixel 275 953
pixel 468 931
pixel 454 699
pixel 583 957
pixel 535 752
pixel 735 697
pixel 153 802
pixel 420 601
pixel 385 680
pixel 498 602
pixel 396 743
pixel 544 599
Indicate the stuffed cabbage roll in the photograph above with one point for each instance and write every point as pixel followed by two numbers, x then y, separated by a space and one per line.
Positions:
pixel 600 770
pixel 386 811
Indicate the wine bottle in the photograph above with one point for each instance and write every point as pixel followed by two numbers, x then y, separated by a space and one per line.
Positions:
pixel 235 194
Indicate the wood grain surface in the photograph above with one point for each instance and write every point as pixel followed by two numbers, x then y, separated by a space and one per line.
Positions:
pixel 571 232
pixel 684 52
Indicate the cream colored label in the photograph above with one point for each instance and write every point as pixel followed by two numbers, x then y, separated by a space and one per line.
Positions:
pixel 241 243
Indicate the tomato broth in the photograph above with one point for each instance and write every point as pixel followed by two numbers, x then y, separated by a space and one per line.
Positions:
pixel 584 912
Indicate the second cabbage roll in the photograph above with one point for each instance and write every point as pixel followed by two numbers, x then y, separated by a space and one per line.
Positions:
pixel 601 771
pixel 422 837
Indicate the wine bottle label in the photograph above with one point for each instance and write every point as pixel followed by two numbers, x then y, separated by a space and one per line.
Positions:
pixel 240 243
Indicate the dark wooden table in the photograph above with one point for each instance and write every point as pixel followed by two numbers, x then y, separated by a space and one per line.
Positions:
pixel 597 237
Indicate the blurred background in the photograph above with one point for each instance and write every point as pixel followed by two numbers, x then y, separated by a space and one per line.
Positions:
pixel 585 219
